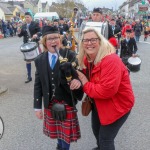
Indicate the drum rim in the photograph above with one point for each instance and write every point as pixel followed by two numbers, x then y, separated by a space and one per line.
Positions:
pixel 22 50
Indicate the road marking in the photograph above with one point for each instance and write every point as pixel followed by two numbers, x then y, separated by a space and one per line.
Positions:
pixel 144 42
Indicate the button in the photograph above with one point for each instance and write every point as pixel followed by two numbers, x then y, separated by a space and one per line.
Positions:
pixel 47 93
pixel 52 72
pixel 52 78
pixel 53 84
pixel 37 99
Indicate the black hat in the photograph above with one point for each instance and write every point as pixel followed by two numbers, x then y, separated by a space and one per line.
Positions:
pixel 28 13
pixel 61 18
pixel 55 20
pixel 97 10
pixel 49 30
pixel 128 30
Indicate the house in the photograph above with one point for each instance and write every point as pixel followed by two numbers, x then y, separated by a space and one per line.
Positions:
pixel 45 7
pixel 7 11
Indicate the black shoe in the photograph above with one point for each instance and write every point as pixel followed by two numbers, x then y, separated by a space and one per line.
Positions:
pixel 58 147
pixel 28 80
pixel 96 148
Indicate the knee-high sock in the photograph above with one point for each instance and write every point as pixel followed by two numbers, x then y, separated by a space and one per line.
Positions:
pixel 28 65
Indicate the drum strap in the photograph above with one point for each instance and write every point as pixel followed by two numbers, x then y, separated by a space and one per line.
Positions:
pixel 104 30
pixel 28 31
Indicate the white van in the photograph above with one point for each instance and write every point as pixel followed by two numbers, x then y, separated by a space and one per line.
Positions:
pixel 49 15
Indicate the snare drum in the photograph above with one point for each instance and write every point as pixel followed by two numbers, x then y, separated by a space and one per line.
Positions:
pixel 134 64
pixel 30 51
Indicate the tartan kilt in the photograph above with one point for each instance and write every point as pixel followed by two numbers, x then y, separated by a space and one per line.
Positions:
pixel 68 130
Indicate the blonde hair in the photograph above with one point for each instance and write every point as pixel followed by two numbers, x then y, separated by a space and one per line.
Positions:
pixel 105 48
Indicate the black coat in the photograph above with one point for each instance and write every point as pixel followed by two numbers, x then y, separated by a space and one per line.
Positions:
pixel 33 28
pixel 43 88
pixel 117 30
pixel 128 48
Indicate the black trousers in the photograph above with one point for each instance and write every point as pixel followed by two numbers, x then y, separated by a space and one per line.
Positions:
pixel 105 135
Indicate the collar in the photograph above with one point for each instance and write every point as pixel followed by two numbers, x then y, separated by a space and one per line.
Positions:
pixel 50 55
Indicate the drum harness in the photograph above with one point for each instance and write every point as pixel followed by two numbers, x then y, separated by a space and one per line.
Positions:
pixel 28 32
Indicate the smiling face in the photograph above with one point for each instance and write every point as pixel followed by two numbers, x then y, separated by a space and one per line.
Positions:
pixel 91 44
pixel 53 40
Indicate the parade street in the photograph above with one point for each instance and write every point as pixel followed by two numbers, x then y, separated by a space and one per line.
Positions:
pixel 23 131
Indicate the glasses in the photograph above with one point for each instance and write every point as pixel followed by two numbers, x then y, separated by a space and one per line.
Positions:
pixel 52 39
pixel 93 40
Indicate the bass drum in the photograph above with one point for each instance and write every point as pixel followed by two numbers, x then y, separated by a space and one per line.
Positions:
pixel 134 64
pixel 30 51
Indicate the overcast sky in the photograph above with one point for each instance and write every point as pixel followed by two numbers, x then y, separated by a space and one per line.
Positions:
pixel 90 4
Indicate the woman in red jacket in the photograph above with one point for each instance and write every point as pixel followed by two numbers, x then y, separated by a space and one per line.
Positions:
pixel 109 86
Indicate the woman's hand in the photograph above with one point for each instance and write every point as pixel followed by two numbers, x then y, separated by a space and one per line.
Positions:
pixel 39 114
pixel 75 84
pixel 82 77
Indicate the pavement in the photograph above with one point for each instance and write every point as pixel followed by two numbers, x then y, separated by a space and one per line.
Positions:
pixel 3 89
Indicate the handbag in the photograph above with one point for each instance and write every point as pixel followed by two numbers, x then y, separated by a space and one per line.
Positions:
pixel 58 112
pixel 86 106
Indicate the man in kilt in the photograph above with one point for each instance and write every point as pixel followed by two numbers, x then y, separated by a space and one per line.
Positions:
pixel 51 85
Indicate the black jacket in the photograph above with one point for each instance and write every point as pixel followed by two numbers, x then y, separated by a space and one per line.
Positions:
pixel 46 79
pixel 128 48
pixel 33 28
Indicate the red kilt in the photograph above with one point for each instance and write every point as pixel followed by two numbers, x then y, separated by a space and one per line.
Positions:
pixel 68 130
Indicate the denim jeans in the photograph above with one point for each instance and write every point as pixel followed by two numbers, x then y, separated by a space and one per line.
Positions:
pixel 137 38
pixel 105 135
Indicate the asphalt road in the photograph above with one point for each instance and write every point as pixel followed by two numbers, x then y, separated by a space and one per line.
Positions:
pixel 23 131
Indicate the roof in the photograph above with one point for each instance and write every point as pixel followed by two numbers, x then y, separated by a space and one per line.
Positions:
pixel 4 7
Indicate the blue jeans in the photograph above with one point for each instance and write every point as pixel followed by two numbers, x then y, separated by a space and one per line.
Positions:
pixel 105 135
pixel 63 144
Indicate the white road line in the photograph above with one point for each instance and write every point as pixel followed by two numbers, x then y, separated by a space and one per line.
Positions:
pixel 144 42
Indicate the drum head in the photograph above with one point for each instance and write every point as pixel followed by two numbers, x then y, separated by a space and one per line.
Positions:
pixel 28 47
pixel 134 60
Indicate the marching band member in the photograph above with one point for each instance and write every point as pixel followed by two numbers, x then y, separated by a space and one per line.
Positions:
pixel 128 47
pixel 116 32
pixel 97 17
pixel 51 85
pixel 30 31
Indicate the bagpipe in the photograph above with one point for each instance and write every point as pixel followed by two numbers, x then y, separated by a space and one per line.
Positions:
pixel 71 41
pixel 68 69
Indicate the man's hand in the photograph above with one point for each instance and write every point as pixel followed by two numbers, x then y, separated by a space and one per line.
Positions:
pixel 39 114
